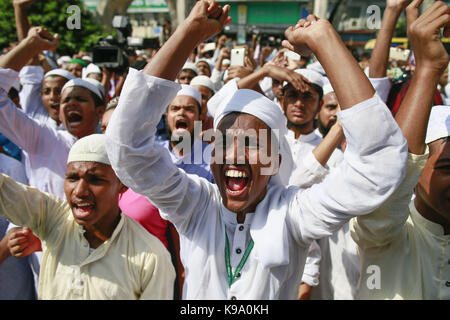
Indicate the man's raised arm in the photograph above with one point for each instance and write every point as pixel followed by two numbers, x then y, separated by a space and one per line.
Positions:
pixel 431 61
pixel 140 162
pixel 205 20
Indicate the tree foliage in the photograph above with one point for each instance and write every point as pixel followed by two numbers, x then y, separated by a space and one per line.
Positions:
pixel 53 15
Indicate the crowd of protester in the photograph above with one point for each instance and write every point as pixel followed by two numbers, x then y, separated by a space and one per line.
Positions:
pixel 304 171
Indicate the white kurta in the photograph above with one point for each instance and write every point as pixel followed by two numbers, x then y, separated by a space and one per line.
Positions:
pixel 371 170
pixel 47 146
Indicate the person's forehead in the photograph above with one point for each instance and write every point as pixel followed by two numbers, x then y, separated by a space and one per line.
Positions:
pixel 54 81
pixel 289 89
pixel 75 66
pixel 182 101
pixel 330 98
pixel 203 90
pixel 236 121
pixel 88 167
pixel 75 90
pixel 187 72
pixel 202 63
pixel 439 149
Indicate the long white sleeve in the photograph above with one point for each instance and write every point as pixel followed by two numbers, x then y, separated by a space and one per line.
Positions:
pixel 374 164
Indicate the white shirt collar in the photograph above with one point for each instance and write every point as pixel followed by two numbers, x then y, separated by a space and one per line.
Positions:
pixel 303 137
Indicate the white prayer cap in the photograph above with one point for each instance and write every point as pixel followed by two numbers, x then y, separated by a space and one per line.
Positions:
pixel 439 124
pixel 64 60
pixel 203 81
pixel 89 148
pixel 327 88
pixel 230 99
pixel 205 60
pixel 226 62
pixel 60 72
pixel 187 90
pixel 77 82
pixel 86 58
pixel 190 66
pixel 312 76
pixel 99 86
pixel 92 68
pixel 316 66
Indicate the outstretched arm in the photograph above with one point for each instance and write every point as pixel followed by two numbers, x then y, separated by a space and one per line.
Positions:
pixel 380 55
pixel 140 162
pixel 38 39
pixel 205 20
pixel 349 81
pixel 431 61
pixel 386 223
pixel 20 14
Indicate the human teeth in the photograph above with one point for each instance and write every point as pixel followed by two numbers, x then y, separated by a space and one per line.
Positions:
pixel 235 174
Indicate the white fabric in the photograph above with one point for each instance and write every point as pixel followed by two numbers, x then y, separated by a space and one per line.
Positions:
pixel 382 86
pixel 31 78
pixel 410 252
pixel 328 88
pixel 64 60
pixel 47 146
pixel 190 66
pixel 60 72
pixel 438 124
pixel 190 91
pixel 203 81
pixel 371 170
pixel 77 82
pixel 312 264
pixel 92 68
pixel 310 75
pixel 13 168
pixel 317 67
pixel 99 86
pixel 305 164
pixel 89 148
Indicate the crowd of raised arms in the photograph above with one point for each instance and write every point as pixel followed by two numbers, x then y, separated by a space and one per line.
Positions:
pixel 305 172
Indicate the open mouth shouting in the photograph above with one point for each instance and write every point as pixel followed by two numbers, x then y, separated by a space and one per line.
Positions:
pixel 82 210
pixel 74 118
pixel 237 179
pixel 181 124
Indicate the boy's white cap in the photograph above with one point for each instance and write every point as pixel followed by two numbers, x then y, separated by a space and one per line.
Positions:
pixel 203 81
pixel 187 90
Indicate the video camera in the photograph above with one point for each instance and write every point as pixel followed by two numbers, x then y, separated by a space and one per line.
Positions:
pixel 111 53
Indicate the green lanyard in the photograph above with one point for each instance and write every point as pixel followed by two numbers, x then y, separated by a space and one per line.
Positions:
pixel 241 264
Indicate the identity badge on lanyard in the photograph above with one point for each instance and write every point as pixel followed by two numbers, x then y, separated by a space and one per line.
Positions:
pixel 241 264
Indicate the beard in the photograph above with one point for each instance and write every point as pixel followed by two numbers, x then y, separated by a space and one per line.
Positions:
pixel 323 128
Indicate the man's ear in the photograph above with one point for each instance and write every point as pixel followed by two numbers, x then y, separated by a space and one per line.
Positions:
pixel 123 188
pixel 100 110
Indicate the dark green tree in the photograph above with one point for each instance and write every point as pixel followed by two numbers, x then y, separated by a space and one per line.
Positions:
pixel 52 14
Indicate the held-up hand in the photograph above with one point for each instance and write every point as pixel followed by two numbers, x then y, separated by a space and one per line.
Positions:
pixel 397 4
pixel 22 242
pixel 207 19
pixel 23 4
pixel 424 33
pixel 41 39
pixel 307 32
pixel 284 74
